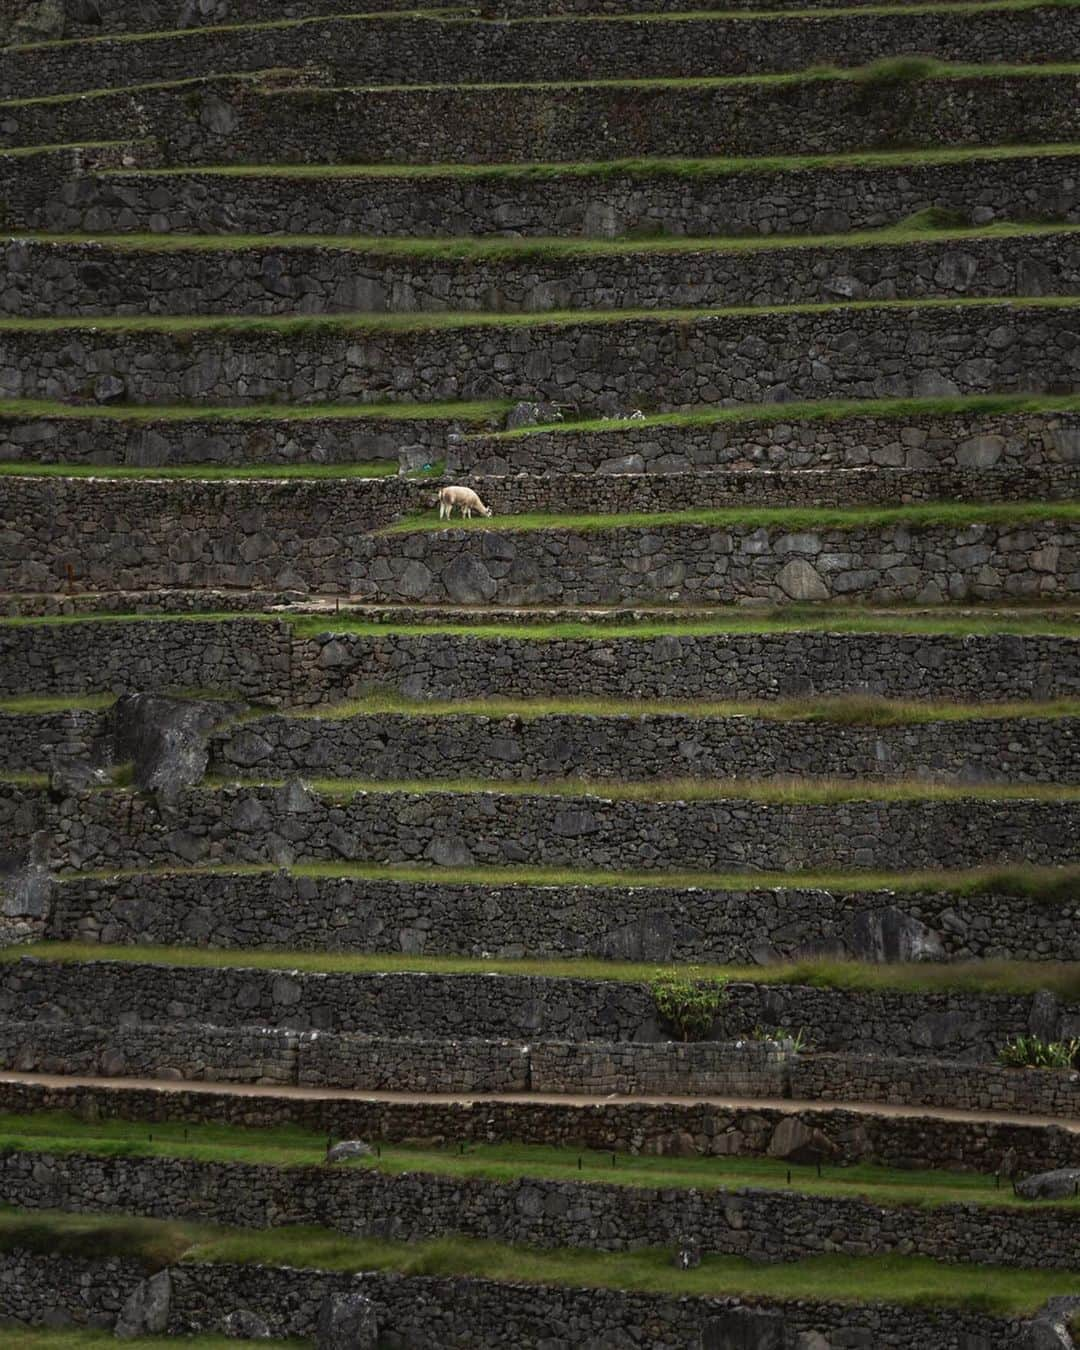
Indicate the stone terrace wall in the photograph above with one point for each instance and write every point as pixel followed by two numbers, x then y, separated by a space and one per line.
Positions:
pixel 251 657
pixel 104 830
pixel 46 192
pixel 470 1312
pixel 44 279
pixel 766 1226
pixel 359 1063
pixel 709 1128
pixel 23 20
pixel 927 564
pixel 969 441
pixel 262 661
pixel 224 119
pixel 408 50
pixel 33 740
pixel 294 536
pixel 746 357
pixel 884 1022
pixel 846 1078
pixel 408 746
pixel 156 443
pixel 644 923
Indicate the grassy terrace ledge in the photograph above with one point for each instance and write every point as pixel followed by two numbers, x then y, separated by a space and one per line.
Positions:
pixel 421 322
pixel 158 1243
pixel 965 977
pixel 292 1146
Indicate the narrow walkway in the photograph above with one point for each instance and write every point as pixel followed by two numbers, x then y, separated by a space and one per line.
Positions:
pixel 791 1106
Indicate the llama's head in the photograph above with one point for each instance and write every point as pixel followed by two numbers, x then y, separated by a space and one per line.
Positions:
pixel 486 511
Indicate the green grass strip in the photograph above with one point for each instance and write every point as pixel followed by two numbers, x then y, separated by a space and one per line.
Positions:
pixel 529 248
pixel 771 792
pixel 767 791
pixel 906 1280
pixel 204 472
pixel 24 151
pixel 346 324
pixel 477 411
pixel 1043 885
pixel 819 410
pixel 968 977
pixel 292 1146
pixel 786 518
pixel 1058 621
pixel 74 1338
pixel 844 710
pixel 657 166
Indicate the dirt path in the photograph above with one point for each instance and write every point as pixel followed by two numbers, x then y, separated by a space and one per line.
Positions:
pixel 785 1104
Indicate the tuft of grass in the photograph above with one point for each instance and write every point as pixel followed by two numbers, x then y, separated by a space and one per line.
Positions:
pixel 971 977
pixel 905 1280
pixel 30 705
pixel 785 518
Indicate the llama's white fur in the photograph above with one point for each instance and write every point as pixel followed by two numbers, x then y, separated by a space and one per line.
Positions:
pixel 465 499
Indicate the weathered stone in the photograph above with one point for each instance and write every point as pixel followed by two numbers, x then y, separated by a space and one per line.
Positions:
pixel 888 934
pixel 166 739
pixel 801 581
pixel 245 1325
pixel 1060 1184
pixel 146 1309
pixel 346 1322
pixel 349 1148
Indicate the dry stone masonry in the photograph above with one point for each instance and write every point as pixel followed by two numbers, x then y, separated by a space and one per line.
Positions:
pixel 321 264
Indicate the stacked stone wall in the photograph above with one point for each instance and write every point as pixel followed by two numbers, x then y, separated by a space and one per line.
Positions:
pixel 609 364
pixel 47 191
pixel 764 1225
pixel 389 49
pixel 883 1022
pixel 655 923
pixel 470 1312
pixel 101 829
pixel 222 119
pixel 1030 441
pixel 150 443
pixel 52 191
pixel 83 280
pixel 263 661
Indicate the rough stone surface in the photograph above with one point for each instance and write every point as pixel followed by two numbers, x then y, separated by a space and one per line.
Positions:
pixel 1057 1185
pixel 146 1309
pixel 347 1322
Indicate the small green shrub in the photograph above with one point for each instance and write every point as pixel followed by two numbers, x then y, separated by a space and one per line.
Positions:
pixel 1032 1052
pixel 688 1001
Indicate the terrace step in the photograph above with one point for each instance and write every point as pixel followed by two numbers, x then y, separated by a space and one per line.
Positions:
pixel 470 912
pixel 966 657
pixel 605 362
pixel 26 22
pixel 73 191
pixel 454 48
pixel 518 744
pixel 203 276
pixel 656 827
pixel 885 1132
pixel 259 536
pixel 286 116
pixel 66 997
